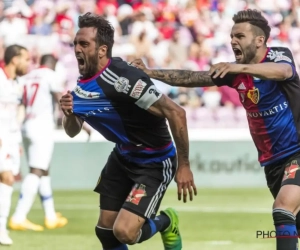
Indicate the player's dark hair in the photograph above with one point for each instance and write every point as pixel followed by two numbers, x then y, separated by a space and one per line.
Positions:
pixel 105 31
pixel 12 51
pixel 254 17
pixel 48 60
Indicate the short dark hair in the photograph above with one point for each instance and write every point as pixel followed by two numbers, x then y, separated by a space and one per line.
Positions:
pixel 48 60
pixel 256 19
pixel 105 31
pixel 12 51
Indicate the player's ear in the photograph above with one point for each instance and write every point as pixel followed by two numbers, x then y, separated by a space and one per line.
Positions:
pixel 15 60
pixel 260 41
pixel 102 51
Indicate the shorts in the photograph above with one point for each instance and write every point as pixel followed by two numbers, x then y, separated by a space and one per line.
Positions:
pixel 10 158
pixel 39 150
pixel 138 188
pixel 282 173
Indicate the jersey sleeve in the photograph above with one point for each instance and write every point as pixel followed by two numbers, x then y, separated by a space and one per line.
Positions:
pixel 136 88
pixel 282 55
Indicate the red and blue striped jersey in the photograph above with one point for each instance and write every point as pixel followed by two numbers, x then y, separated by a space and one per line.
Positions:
pixel 272 108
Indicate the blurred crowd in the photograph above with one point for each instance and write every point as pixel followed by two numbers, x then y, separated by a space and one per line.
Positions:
pixel 182 34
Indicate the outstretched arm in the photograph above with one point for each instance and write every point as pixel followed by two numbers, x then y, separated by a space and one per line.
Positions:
pixel 183 78
pixel 175 77
pixel 165 107
pixel 269 70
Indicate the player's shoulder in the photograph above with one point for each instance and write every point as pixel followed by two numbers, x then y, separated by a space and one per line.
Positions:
pixel 279 48
pixel 124 69
pixel 276 54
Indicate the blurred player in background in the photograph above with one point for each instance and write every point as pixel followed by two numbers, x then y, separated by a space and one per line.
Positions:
pixel 269 89
pixel 122 104
pixel 41 87
pixel 16 59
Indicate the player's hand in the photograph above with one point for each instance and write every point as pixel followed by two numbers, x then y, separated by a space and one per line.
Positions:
pixel 66 104
pixel 138 63
pixel 221 69
pixel 185 183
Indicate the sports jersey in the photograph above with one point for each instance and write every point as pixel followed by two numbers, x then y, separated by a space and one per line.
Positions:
pixel 272 108
pixel 115 102
pixel 9 100
pixel 38 86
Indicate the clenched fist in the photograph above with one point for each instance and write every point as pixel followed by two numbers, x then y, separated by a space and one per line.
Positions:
pixel 66 104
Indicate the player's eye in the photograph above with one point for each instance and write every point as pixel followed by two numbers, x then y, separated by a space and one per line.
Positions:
pixel 84 44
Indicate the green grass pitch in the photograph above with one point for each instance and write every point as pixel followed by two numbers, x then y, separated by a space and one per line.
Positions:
pixel 224 219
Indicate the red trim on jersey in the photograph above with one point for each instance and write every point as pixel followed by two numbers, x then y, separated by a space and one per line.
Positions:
pixel 97 74
pixel 268 49
pixel 257 126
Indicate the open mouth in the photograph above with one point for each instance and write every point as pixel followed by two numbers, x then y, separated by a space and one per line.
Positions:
pixel 80 61
pixel 238 53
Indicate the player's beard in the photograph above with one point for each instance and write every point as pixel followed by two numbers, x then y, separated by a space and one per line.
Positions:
pixel 20 71
pixel 249 53
pixel 91 66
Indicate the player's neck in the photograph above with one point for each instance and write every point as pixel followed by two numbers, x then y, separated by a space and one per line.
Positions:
pixel 10 71
pixel 260 56
pixel 103 63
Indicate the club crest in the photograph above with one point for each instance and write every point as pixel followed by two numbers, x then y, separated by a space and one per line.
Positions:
pixel 253 95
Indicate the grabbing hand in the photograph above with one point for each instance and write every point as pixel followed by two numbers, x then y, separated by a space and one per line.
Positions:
pixel 221 69
pixel 66 104
pixel 185 183
pixel 138 63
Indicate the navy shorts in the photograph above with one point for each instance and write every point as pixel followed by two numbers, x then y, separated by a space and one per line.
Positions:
pixel 138 188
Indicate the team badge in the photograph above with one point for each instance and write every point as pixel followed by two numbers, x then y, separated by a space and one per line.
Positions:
pixel 291 170
pixel 122 85
pixel 137 193
pixel 253 95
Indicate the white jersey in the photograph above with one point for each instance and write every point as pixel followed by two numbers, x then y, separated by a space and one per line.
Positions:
pixel 9 100
pixel 38 86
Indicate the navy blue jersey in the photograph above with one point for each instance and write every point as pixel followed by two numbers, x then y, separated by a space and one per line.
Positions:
pixel 272 108
pixel 115 102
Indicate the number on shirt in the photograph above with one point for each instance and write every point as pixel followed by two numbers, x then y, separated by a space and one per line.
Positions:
pixel 33 88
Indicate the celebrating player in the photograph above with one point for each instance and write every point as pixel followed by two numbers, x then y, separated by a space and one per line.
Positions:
pixel 41 86
pixel 269 89
pixel 121 103
pixel 16 59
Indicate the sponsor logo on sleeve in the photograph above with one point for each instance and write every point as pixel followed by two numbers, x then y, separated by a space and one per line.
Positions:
pixel 278 56
pixel 138 89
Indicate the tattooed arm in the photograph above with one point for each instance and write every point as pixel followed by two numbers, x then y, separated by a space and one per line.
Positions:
pixel 175 77
pixel 176 117
pixel 183 78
